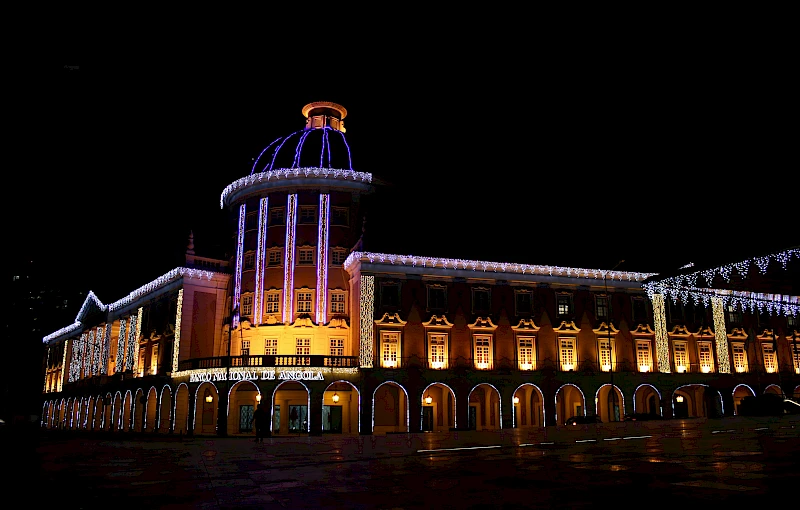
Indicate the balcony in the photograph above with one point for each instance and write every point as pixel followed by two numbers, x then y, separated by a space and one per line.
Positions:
pixel 279 360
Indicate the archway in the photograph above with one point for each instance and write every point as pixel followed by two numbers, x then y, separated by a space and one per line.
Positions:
pixel 242 403
pixel 389 408
pixel 290 402
pixel 127 408
pixel 138 410
pixel 797 393
pixel 485 411
pixel 117 412
pixel 774 389
pixel 205 405
pixel 570 401
pixel 181 409
pixel 438 411
pixel 341 408
pixel 45 414
pixel 107 411
pixel 696 401
pixel 528 406
pixel 86 420
pixel 610 405
pixel 647 400
pixel 164 410
pixel 151 410
pixel 739 393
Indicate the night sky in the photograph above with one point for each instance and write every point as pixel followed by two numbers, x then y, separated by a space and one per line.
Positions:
pixel 659 165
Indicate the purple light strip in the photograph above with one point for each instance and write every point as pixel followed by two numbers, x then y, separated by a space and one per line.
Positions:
pixel 298 149
pixel 329 149
pixel 322 259
pixel 322 150
pixel 275 154
pixel 288 265
pixel 237 288
pixel 252 170
pixel 262 248
pixel 349 158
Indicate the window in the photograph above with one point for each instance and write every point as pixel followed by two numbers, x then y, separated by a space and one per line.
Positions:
pixel 140 368
pixel 305 256
pixel 437 298
pixel 276 216
pixel 563 305
pixel 739 357
pixel 338 256
pixel 679 354
pixel 522 300
pixel 337 346
pixel 308 214
pixel 245 347
pixel 304 301
pixel 639 306
pixel 704 349
pixel 483 350
pixel 303 346
pixel 247 305
pixel 390 348
pixel 770 363
pixel 601 307
pixel 271 346
pixel 274 257
pixel 733 314
pixel 154 360
pixel 251 221
pixel 791 320
pixel 480 300
pixel 249 260
pixel 437 345
pixel 567 353
pixel 273 302
pixel 643 359
pixel 340 216
pixel 390 295
pixel 605 354
pixel 337 302
pixel 525 353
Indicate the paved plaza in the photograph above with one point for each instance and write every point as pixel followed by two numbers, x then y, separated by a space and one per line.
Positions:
pixel 681 463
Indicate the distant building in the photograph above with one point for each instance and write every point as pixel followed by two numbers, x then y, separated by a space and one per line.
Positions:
pixel 335 339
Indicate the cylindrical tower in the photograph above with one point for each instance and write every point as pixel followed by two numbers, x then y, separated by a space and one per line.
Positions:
pixel 295 219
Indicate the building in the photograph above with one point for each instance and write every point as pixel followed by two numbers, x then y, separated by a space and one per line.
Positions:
pixel 335 339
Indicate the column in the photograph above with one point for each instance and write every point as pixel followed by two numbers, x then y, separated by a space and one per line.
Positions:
pixel 315 411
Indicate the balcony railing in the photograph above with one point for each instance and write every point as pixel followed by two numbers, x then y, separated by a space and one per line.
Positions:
pixel 263 360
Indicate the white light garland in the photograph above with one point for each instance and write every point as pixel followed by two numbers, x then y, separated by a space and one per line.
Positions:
pixel 293 173
pixel 503 267
pixel 133 344
pixel 106 348
pixel 322 258
pixel 176 347
pixel 721 336
pixel 261 250
pixel 661 336
pixel 237 286
pixel 366 309
pixel 288 259
pixel 120 360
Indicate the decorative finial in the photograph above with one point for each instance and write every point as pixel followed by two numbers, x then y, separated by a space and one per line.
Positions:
pixel 190 246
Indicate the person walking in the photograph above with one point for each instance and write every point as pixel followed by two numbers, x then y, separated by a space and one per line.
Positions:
pixel 261 421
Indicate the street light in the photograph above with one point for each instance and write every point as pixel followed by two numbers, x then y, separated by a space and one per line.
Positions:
pixel 258 397
pixel 428 400
pixel 335 397
pixel 209 398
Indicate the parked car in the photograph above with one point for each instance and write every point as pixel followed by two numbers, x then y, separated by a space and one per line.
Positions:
pixel 768 404
pixel 582 420
pixel 642 417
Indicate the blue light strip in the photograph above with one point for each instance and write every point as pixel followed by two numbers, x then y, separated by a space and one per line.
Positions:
pixel 260 254
pixel 288 259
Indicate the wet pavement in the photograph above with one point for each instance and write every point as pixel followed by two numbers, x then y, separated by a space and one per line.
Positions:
pixel 686 463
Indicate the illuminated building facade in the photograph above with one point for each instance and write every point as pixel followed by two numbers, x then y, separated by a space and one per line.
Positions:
pixel 335 339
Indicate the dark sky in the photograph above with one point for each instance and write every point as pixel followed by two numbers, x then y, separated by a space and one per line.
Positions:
pixel 659 164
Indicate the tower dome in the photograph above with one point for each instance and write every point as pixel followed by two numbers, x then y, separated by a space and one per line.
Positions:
pixel 320 144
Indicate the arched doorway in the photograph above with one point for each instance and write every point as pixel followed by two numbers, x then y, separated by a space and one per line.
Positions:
pixel 774 389
pixel 739 393
pixel 696 401
pixel 151 410
pixel 242 403
pixel 647 400
pixel 485 412
pixel 205 402
pixel 341 404
pixel 117 412
pixel 165 410
pixel 797 393
pixel 108 404
pixel 438 412
pixel 610 404
pixel 181 409
pixel 290 402
pixel 389 408
pixel 569 402
pixel 138 410
pixel 127 405
pixel 528 402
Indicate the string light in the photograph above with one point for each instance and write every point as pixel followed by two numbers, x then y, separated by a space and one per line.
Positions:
pixel 288 260
pixel 176 349
pixel 367 307
pixel 721 336
pixel 661 336
pixel 120 360
pixel 261 250
pixel 322 258
pixel 106 347
pixel 237 288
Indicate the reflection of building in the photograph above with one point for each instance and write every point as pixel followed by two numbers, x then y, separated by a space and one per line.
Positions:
pixel 333 338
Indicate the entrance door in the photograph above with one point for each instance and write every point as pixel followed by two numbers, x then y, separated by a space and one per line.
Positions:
pixel 298 419
pixel 473 417
pixel 427 418
pixel 246 418
pixel 332 419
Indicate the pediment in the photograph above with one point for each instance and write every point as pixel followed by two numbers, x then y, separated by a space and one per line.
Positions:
pixel 526 325
pixel 338 323
pixel 303 321
pixel 679 331
pixel 92 307
pixel 439 321
pixel 643 329
pixel 483 323
pixel 605 329
pixel 390 319
pixel 766 335
pixel 705 332
pixel 737 334
pixel 567 327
